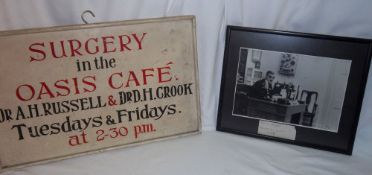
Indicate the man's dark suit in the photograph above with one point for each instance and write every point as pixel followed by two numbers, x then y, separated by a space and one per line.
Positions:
pixel 259 89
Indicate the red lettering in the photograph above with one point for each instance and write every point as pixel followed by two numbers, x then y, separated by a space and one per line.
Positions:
pixel 41 52
pixel 145 75
pixel 89 83
pixel 59 88
pixel 132 77
pixel 20 96
pixel 63 85
pixel 76 85
pixel 110 82
pixel 106 43
pixel 87 46
pixel 62 46
pixel 44 90
pixel 139 41
pixel 75 48
pixel 163 79
pixel 123 45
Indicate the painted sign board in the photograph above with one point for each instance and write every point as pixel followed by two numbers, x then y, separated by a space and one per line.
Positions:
pixel 72 90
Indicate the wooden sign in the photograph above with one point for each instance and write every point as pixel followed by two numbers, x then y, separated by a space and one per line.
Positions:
pixel 70 90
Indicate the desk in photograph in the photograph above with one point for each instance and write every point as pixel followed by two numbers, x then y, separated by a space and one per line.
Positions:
pixel 269 110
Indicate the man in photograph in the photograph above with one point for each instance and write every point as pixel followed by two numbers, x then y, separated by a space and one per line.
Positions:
pixel 262 88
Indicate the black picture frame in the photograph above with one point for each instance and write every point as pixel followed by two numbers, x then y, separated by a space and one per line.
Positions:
pixel 241 112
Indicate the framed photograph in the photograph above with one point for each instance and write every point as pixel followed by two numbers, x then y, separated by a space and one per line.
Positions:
pixel 304 89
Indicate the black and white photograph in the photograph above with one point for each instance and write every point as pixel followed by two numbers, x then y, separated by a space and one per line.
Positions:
pixel 297 88
pixel 291 88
